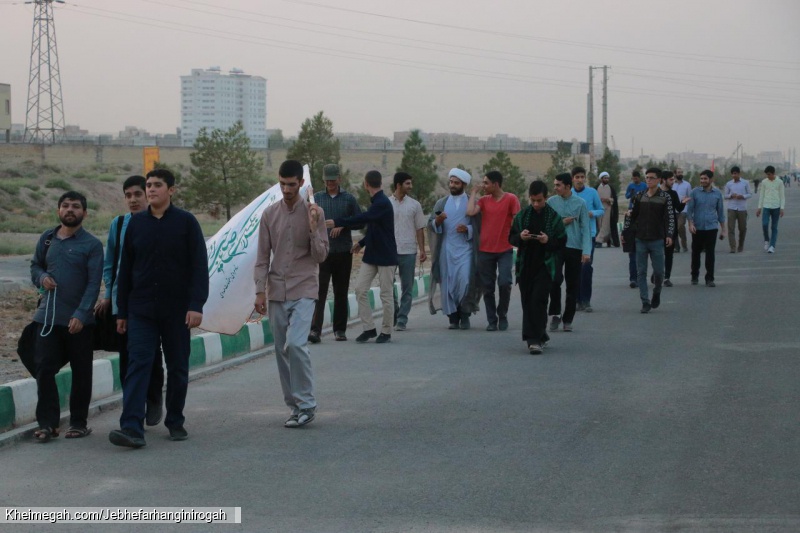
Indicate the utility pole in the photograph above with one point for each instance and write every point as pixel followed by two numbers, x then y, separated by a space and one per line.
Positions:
pixel 44 119
pixel 605 109
pixel 590 122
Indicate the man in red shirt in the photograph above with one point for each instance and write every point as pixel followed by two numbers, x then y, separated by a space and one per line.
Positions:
pixel 497 209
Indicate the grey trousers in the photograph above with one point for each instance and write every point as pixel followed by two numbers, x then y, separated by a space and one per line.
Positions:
pixel 736 217
pixel 290 322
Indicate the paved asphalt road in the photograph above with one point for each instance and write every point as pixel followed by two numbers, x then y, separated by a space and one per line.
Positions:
pixel 686 419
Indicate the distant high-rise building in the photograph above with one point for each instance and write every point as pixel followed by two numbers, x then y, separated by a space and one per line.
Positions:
pixel 5 112
pixel 211 99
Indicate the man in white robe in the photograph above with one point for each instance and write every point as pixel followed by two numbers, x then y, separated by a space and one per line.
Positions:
pixel 454 253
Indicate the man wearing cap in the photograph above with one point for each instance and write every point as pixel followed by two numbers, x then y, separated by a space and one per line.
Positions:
pixel 335 202
pixel 608 233
pixel 455 254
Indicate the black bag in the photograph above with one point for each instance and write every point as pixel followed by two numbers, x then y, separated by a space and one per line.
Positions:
pixel 105 336
pixel 26 347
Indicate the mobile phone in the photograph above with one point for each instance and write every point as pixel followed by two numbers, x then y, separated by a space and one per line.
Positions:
pixel 437 213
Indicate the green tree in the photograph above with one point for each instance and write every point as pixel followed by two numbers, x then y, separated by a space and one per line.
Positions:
pixel 513 180
pixel 420 164
pixel 316 146
pixel 610 163
pixel 225 171
pixel 560 162
pixel 275 141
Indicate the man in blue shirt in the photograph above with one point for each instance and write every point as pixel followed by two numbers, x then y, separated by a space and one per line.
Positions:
pixel 706 215
pixel 595 208
pixel 380 258
pixel 163 285
pixel 67 267
pixel 134 191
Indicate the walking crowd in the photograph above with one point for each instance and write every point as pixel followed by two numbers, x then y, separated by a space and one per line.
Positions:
pixel 156 279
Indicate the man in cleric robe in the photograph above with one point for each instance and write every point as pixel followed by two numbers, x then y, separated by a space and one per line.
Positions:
pixel 454 242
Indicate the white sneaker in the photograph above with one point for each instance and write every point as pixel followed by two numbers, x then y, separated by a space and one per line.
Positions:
pixel 766 245
pixel 771 250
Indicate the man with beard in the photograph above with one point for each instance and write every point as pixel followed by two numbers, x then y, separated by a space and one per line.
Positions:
pixel 67 268
pixel 455 254
pixel 706 216
pixel 608 233
pixel 667 181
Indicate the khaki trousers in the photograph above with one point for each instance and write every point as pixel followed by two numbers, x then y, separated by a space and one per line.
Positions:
pixel 385 275
pixel 735 216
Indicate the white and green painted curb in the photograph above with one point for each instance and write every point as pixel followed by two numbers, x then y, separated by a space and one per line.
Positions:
pixel 18 398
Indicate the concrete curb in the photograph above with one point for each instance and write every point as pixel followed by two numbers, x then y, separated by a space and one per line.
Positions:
pixel 210 353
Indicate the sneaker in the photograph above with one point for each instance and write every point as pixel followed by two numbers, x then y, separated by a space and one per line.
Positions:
pixel 771 250
pixel 695 281
pixel 588 308
pixel 305 416
pixel 535 349
pixel 340 336
pixel 453 325
pixel 491 327
pixel 634 285
pixel 766 245
pixel 554 323
pixel 733 250
pixel 710 284
pixel 291 422
pixel 178 433
pixel 656 300
pixel 313 337
pixel 383 338
pixel 400 327
pixel 153 413
pixel 503 324
pixel 646 307
pixel 567 326
pixel 127 438
pixel 367 335
pixel 667 283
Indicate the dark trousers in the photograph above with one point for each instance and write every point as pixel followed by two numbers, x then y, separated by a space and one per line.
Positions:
pixel 704 241
pixel 534 291
pixel 669 255
pixel 632 269
pixel 144 336
pixel 585 285
pixel 51 351
pixel 156 386
pixel 336 267
pixel 568 269
pixel 495 267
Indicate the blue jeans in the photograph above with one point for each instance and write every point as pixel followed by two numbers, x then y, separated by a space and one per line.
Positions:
pixel 406 263
pixel 585 286
pixel 655 249
pixel 766 215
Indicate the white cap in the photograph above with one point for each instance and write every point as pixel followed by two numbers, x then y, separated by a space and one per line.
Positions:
pixel 604 175
pixel 463 175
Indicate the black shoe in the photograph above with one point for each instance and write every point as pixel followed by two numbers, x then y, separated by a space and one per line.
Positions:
pixel 127 438
pixel 154 412
pixel 313 337
pixel 178 433
pixel 367 335
pixel 634 285
pixel 464 323
pixel 491 327
pixel 453 321
pixel 503 323
pixel 383 338
pixel 695 281
pixel 340 336
pixel 656 300
pixel 710 284
pixel 646 307
pixel 667 283
pixel 581 307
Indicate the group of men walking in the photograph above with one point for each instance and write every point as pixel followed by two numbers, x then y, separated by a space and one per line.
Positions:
pixel 156 279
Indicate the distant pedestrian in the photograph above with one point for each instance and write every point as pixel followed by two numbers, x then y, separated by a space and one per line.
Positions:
pixel 771 202
pixel 134 189
pixel 67 268
pixel 635 186
pixel 495 254
pixel 454 269
pixel 409 234
pixel 683 188
pixel 577 251
pixel 706 217
pixel 667 181
pixel 653 219
pixel 163 286
pixel 608 233
pixel 380 258
pixel 292 243
pixel 737 191
pixel 539 234
pixel 595 209
pixel 336 269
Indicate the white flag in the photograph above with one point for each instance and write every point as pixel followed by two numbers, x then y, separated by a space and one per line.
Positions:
pixel 231 260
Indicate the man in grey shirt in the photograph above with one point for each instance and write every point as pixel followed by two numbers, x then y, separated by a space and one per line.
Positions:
pixel 67 267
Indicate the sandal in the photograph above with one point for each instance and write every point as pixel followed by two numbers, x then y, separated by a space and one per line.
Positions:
pixel 77 433
pixel 44 434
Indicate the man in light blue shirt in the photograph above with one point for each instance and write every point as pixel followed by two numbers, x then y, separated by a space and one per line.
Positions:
pixel 575 216
pixel 706 216
pixel 595 209
pixel 737 191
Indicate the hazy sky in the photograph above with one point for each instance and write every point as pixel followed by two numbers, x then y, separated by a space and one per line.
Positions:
pixel 696 75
